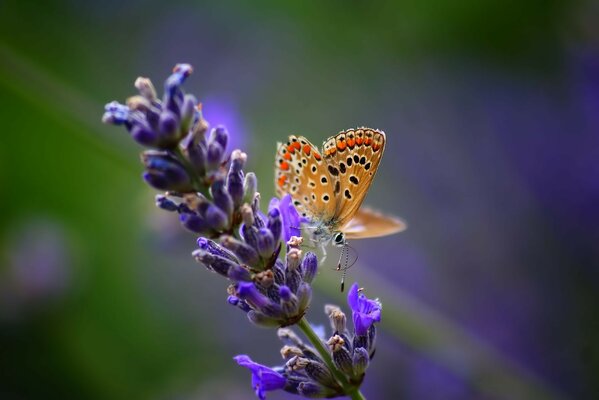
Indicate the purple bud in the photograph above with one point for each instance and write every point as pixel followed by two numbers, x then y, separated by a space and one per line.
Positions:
pixel 309 266
pixel 250 235
pixel 164 172
pixel 215 248
pixel 235 177
pixel 168 127
pixel 248 292
pixel 341 356
pixel 360 341
pixel 275 223
pixel 156 181
pixel 289 302
pixel 196 154
pixel 144 135
pixel 238 273
pixel 320 373
pixel 220 135
pixel 304 296
pixel 244 252
pixel 237 302
pixel 165 203
pixel 216 218
pixel 293 276
pixel 371 339
pixel 285 293
pixel 116 113
pixel 266 243
pixel 361 360
pixel 220 265
pixel 221 197
pixel 279 272
pixel 188 110
pixel 194 223
pixel 214 155
pixel 183 71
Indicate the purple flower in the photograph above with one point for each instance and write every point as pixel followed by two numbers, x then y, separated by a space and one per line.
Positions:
pixel 289 215
pixel 365 311
pixel 264 379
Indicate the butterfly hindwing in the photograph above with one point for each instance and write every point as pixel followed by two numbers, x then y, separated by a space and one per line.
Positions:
pixel 301 171
pixel 368 223
pixel 352 159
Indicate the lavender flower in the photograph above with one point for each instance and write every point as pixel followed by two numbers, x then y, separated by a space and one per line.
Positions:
pixel 259 254
pixel 341 369
pixel 365 312
pixel 272 292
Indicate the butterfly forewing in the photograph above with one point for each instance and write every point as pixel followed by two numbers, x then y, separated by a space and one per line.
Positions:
pixel 352 158
pixel 301 171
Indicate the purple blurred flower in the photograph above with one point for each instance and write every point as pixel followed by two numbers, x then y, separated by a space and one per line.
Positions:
pixel 365 311
pixel 264 379
pixel 289 215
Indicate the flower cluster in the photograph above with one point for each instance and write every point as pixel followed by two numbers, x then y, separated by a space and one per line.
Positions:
pixel 184 158
pixel 272 292
pixel 260 254
pixel 306 372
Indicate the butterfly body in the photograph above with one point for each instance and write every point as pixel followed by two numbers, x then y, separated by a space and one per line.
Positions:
pixel 328 186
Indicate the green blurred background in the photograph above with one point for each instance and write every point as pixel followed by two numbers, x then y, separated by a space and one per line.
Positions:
pixel 491 112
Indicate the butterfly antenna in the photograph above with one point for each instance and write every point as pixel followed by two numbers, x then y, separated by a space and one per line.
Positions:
pixel 344 250
pixel 346 266
pixel 355 258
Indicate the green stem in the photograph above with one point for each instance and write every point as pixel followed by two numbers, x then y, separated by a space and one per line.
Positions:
pixel 356 395
pixel 350 390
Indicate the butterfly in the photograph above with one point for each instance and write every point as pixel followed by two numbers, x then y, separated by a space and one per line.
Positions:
pixel 329 186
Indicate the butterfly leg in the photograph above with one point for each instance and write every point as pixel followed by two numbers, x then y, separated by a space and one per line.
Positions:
pixel 324 253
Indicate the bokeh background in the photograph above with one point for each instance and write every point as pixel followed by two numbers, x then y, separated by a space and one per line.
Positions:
pixel 491 109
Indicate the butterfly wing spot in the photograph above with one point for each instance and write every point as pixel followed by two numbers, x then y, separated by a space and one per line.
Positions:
pixel 313 196
pixel 337 187
pixel 342 168
pixel 313 169
pixel 356 158
pixel 349 161
pixel 323 179
pixel 312 184
pixel 350 139
pixel 325 198
pixel 333 171
pixel 284 165
pixel 347 194
pixel 367 166
pixel 282 180
pixel 353 179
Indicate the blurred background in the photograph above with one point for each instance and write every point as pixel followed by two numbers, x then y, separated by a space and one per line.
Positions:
pixel 491 110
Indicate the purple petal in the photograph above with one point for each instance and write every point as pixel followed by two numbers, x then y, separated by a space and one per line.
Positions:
pixel 263 378
pixel 352 297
